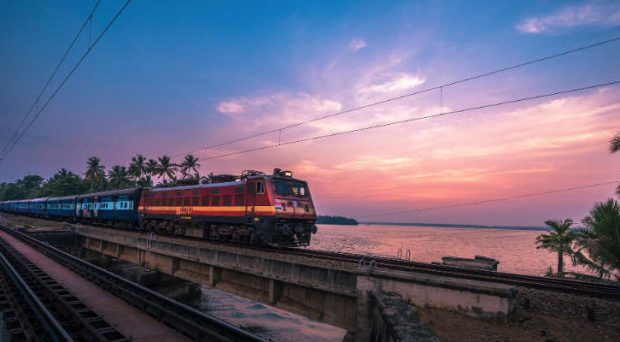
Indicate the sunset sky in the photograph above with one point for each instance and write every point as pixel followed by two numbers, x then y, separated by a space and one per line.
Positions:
pixel 172 77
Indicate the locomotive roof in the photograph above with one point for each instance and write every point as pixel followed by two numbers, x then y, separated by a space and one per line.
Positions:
pixel 198 186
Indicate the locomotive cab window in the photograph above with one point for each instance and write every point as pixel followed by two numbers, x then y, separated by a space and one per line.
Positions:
pixel 260 187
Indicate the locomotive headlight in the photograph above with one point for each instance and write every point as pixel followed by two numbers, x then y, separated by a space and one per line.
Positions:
pixel 288 174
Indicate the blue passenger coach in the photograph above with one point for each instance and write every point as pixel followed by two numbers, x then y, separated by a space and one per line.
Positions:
pixel 38 206
pixel 116 206
pixel 61 206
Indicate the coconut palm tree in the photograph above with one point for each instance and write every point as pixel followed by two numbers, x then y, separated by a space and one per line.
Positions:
pixel 559 240
pixel 614 146
pixel 166 170
pixel 139 170
pixel 599 244
pixel 119 177
pixel 137 167
pixel 190 163
pixel 95 174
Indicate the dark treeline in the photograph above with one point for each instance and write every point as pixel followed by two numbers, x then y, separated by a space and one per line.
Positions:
pixel 325 219
pixel 140 172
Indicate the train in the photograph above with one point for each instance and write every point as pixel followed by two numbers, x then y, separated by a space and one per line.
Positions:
pixel 254 208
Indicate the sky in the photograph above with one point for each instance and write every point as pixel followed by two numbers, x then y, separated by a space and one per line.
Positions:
pixel 173 77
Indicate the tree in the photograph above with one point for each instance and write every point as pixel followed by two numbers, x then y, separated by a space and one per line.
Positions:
pixel 559 240
pixel 190 163
pixel 64 183
pixel 614 146
pixel 166 170
pixel 95 174
pixel 139 170
pixel 119 177
pixel 599 244
pixel 137 167
pixel 31 185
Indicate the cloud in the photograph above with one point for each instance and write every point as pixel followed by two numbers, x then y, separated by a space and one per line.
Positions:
pixel 357 44
pixel 399 83
pixel 230 107
pixel 592 14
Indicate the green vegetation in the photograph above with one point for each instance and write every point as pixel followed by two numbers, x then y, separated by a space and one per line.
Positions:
pixel 596 246
pixel 558 240
pixel 322 219
pixel 140 172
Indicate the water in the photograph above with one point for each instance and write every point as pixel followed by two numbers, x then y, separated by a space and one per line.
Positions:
pixel 266 321
pixel 515 249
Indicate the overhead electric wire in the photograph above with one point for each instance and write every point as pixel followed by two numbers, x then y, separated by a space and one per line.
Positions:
pixel 49 80
pixel 471 78
pixel 391 123
pixel 90 47
pixel 499 199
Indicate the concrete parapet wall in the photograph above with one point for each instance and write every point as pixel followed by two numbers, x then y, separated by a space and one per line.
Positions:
pixel 338 296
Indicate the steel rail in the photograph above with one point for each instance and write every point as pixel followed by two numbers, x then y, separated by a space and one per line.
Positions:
pixel 79 320
pixel 607 291
pixel 185 319
pixel 50 327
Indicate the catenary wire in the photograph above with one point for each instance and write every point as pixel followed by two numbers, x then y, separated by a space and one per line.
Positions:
pixel 103 32
pixel 391 123
pixel 499 199
pixel 49 80
pixel 471 78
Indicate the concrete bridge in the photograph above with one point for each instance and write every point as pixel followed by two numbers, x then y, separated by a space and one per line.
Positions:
pixel 338 293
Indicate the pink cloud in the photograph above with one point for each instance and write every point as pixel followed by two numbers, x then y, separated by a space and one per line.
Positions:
pixel 594 13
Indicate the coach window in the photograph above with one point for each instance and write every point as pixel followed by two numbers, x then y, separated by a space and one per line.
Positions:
pixel 170 202
pixel 195 201
pixel 205 200
pixel 157 201
pixel 238 200
pixel 179 202
pixel 226 200
pixel 260 187
pixel 215 201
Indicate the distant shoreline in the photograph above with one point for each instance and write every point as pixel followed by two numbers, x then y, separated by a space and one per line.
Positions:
pixel 447 225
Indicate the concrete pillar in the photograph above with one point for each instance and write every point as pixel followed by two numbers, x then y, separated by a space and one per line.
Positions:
pixel 174 264
pixel 363 317
pixel 215 274
pixel 275 291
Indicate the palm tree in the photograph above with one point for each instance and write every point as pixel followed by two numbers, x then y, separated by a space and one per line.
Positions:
pixel 137 167
pixel 601 240
pixel 119 177
pixel 95 174
pixel 190 163
pixel 559 240
pixel 166 169
pixel 614 146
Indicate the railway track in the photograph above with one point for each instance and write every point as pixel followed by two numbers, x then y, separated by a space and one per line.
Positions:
pixel 190 322
pixel 367 262
pixel 80 322
pixel 25 317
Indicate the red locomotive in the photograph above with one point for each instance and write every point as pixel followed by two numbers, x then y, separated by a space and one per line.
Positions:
pixel 255 208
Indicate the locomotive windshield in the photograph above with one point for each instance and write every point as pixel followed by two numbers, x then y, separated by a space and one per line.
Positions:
pixel 290 188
